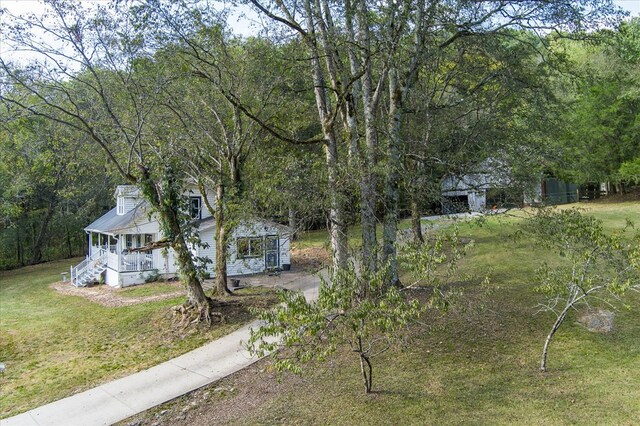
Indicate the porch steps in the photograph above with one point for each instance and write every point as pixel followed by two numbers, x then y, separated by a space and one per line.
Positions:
pixel 91 275
pixel 89 269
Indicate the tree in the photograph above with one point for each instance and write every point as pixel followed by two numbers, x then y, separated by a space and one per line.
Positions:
pixel 353 311
pixel 601 97
pixel 630 171
pixel 594 265
pixel 357 312
pixel 95 76
pixel 49 190
pixel 216 140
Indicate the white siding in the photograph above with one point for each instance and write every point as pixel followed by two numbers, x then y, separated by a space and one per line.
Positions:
pixel 207 236
pixel 237 266
pixel 285 250
pixel 127 197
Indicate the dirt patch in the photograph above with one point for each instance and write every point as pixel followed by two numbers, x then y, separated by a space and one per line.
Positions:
pixel 110 297
pixel 309 259
pixel 597 321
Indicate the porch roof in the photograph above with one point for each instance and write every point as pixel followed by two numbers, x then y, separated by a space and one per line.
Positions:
pixel 112 224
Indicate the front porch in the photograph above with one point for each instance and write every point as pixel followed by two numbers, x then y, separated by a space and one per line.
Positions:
pixel 111 258
pixel 117 254
pixel 131 262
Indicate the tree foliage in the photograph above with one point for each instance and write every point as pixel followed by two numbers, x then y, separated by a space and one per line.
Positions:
pixel 355 312
pixel 593 264
pixel 49 190
pixel 602 114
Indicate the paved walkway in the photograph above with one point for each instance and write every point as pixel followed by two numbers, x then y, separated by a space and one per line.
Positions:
pixel 122 398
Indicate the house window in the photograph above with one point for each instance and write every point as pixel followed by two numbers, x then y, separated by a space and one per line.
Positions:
pixel 195 207
pixel 148 239
pixel 248 248
pixel 120 205
pixel 113 244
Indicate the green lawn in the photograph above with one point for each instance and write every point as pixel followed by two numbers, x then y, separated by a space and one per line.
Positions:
pixel 478 364
pixel 55 345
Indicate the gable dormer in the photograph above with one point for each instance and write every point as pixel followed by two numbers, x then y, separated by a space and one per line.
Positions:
pixel 127 197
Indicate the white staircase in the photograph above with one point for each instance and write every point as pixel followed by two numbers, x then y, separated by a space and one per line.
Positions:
pixel 89 270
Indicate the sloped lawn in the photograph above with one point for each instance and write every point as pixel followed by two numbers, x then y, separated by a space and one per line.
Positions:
pixel 478 364
pixel 55 345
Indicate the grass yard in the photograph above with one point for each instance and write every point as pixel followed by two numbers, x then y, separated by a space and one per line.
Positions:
pixel 55 345
pixel 478 364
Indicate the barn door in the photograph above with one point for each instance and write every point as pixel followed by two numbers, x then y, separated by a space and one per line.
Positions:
pixel 271 252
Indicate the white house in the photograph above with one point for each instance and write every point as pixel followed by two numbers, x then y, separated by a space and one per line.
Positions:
pixel 255 246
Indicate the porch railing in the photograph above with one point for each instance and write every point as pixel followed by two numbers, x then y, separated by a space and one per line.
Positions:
pixel 90 262
pixel 136 262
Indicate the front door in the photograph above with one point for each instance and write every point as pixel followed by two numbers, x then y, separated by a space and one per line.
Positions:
pixel 271 252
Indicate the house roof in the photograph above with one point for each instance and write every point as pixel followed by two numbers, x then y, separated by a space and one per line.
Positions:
pixel 111 223
pixel 210 222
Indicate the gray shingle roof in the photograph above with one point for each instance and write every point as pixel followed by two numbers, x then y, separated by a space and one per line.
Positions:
pixel 111 223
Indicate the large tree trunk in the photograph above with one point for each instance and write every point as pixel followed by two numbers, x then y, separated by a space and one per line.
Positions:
pixel 337 225
pixel 399 84
pixel 168 210
pixel 221 243
pixel 416 224
pixel 392 190
pixel 221 235
pixel 338 228
pixel 188 272
pixel 369 160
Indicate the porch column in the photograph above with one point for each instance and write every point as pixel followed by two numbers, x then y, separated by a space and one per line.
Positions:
pixel 119 250
pixel 90 242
